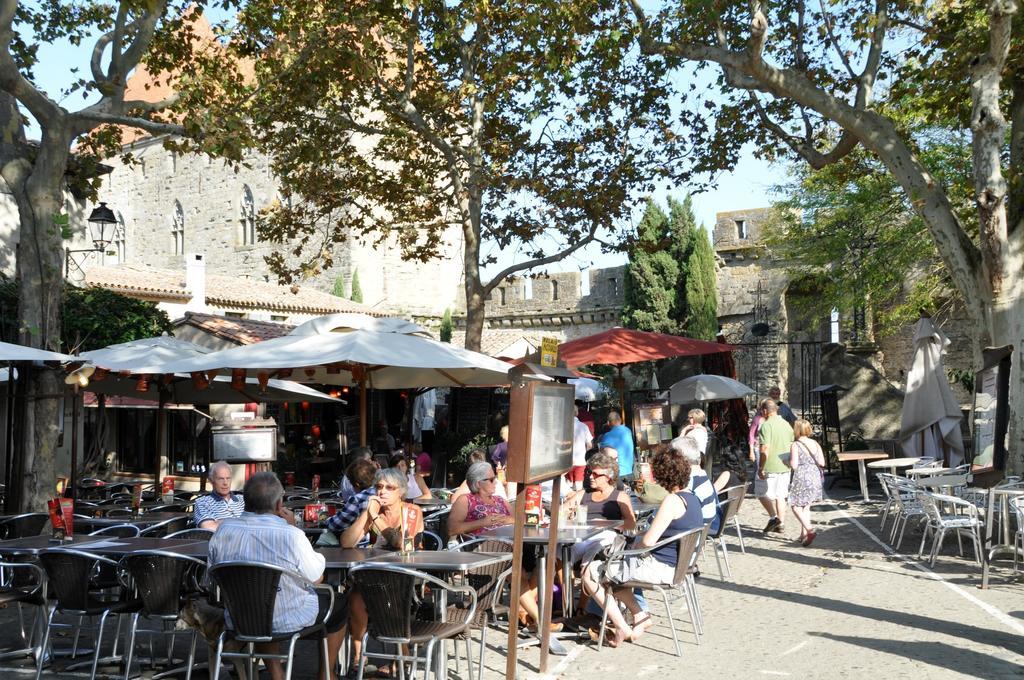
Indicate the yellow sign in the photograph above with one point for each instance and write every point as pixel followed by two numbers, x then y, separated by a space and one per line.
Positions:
pixel 549 352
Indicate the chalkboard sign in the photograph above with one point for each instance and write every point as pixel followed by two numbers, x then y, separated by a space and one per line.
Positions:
pixel 540 431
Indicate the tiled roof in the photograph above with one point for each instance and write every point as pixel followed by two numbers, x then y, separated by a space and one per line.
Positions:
pixel 496 340
pixel 163 285
pixel 240 331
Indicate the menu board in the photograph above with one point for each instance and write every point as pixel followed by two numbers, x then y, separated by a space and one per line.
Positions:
pixel 540 431
pixel 989 416
pixel 652 424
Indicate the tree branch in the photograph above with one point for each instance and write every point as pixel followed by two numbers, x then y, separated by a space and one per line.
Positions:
pixel 145 28
pixel 827 20
pixel 151 126
pixel 866 82
pixel 12 81
pixel 538 262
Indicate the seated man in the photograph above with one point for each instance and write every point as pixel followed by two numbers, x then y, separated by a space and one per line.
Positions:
pixel 265 533
pixel 361 473
pixel 346 489
pixel 220 504
pixel 700 483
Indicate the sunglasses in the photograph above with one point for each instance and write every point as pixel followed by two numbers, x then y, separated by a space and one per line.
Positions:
pixel 597 474
pixel 386 487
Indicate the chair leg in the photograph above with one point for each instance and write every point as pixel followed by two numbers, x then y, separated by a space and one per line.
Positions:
pixel 937 546
pixel 291 657
pixel 190 664
pixel 739 534
pixel 131 646
pixel 924 537
pixel 99 643
pixel 429 665
pixel 692 587
pixel 483 648
pixel 672 622
pixel 41 656
pixel 725 558
pixel 609 601
pixel 362 657
pixel 217 657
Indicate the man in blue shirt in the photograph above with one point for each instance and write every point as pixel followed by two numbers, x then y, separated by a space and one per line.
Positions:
pixel 619 437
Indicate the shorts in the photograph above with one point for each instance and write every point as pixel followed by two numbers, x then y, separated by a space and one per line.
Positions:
pixel 775 486
pixel 339 615
pixel 577 473
pixel 646 569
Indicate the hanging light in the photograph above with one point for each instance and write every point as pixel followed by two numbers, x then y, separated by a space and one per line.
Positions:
pixel 99 219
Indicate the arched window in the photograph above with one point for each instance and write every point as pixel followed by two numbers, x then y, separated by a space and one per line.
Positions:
pixel 178 228
pixel 120 240
pixel 247 211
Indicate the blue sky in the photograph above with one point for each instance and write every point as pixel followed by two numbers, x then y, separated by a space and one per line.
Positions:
pixel 746 187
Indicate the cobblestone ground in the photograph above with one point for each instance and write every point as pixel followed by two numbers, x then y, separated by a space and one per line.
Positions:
pixel 847 607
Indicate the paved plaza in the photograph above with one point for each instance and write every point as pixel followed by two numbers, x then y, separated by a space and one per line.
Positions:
pixel 847 607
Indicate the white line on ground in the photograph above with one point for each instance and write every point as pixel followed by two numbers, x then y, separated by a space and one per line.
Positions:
pixel 1002 617
pixel 763 672
pixel 563 664
pixel 795 648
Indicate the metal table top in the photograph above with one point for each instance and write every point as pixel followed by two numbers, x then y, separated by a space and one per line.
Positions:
pixel 144 520
pixel 423 560
pixel 33 545
pixel 568 534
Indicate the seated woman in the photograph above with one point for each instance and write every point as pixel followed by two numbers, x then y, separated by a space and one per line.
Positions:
pixel 482 508
pixel 476 456
pixel 603 501
pixel 679 512
pixel 734 471
pixel 389 520
pixel 416 486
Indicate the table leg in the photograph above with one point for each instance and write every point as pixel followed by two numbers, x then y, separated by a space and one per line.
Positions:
pixel 568 601
pixel 554 646
pixel 863 473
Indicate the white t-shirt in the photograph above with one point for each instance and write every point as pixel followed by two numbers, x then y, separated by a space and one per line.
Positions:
pixel 581 441
pixel 700 435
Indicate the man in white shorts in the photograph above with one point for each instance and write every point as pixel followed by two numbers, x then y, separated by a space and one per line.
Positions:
pixel 772 485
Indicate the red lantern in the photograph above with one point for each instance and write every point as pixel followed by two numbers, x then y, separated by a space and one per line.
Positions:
pixel 142 384
pixel 263 379
pixel 316 431
pixel 238 378
pixel 305 406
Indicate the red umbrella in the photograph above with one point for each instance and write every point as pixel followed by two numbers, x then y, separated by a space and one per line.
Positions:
pixel 620 346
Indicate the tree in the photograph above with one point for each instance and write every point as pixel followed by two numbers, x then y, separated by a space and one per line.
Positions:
pixel 651 280
pixel 802 79
pixel 36 174
pixel 445 332
pixel 701 295
pixel 338 290
pixel 527 125
pixel 683 227
pixel 357 290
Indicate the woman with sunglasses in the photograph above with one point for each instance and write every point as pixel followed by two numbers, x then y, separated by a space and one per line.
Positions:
pixel 603 501
pixel 388 520
pixel 482 508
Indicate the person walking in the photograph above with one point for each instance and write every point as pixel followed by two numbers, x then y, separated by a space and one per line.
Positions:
pixel 775 394
pixel 806 460
pixel 772 485
pixel 620 438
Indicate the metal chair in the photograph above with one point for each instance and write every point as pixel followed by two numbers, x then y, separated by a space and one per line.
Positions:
pixel 740 491
pixel 20 526
pixel 24 583
pixel 71 577
pixel 117 531
pixel 437 522
pixel 489 582
pixel 432 541
pixel 192 534
pixel 729 508
pixel 389 592
pixel 688 541
pixel 904 499
pixel 168 526
pixel 939 522
pixel 249 591
pixel 156 577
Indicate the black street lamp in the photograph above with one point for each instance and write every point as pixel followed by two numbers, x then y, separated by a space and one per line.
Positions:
pixel 98 220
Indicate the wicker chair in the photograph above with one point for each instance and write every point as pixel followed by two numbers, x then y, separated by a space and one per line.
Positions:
pixel 20 526
pixel 489 583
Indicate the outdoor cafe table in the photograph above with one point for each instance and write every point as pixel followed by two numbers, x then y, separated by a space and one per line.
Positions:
pixel 1006 542
pixel 860 457
pixel 893 464
pixel 431 504
pixel 143 521
pixel 566 537
pixel 33 545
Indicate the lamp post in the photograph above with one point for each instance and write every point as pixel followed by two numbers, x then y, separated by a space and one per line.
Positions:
pixel 98 220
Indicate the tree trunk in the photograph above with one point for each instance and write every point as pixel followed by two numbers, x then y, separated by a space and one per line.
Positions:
pixel 40 274
pixel 474 290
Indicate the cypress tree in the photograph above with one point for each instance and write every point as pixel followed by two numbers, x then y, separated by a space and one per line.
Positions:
pixel 651 276
pixel 447 326
pixel 701 296
pixel 339 287
pixel 357 291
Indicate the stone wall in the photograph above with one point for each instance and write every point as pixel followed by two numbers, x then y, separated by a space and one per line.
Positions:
pixel 210 194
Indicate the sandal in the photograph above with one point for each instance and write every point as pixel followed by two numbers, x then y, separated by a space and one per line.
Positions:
pixel 640 626
pixel 609 636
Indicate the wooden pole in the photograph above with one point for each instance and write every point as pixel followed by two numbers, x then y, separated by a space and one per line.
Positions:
pixel 517 569
pixel 362 411
pixel 548 586
pixel 73 474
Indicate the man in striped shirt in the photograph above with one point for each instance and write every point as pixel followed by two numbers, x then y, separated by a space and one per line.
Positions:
pixel 208 511
pixel 265 532
pixel 700 483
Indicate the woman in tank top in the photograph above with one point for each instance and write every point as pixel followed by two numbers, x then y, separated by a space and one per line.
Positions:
pixel 603 501
pixel 678 512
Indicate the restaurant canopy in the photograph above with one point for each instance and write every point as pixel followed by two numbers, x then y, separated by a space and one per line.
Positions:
pixel 12 352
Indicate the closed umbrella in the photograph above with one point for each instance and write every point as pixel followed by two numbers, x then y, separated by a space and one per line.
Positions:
pixel 930 424
pixel 705 387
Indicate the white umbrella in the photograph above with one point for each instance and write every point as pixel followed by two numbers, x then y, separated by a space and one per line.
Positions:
pixel 930 425
pixel 135 354
pixel 706 387
pixel 12 352
pixel 588 389
pixel 349 349
pixel 182 390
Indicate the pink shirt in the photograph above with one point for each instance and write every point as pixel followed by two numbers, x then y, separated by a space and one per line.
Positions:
pixel 755 427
